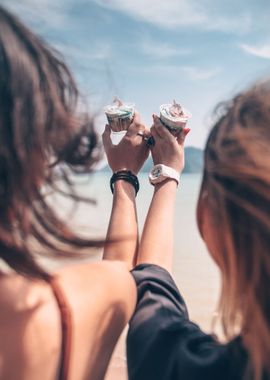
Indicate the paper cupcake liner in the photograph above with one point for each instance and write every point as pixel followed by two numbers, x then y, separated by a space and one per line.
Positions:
pixel 118 123
pixel 119 115
pixel 173 125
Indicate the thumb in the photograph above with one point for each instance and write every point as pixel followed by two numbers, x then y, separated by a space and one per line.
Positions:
pixel 106 137
pixel 181 137
pixel 137 118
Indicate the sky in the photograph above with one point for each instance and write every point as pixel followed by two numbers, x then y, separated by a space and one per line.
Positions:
pixel 153 51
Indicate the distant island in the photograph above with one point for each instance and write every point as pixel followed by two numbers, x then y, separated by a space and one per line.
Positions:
pixel 193 161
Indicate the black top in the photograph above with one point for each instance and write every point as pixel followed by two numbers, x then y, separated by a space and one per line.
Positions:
pixel 163 344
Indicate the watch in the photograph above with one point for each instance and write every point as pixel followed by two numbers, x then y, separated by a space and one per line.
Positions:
pixel 161 172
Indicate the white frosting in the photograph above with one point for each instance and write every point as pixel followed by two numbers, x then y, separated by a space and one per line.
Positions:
pixel 174 115
pixel 120 109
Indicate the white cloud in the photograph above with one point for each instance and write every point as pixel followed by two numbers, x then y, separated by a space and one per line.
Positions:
pixel 192 73
pixel 198 74
pixel 41 13
pixel 101 51
pixel 182 13
pixel 166 13
pixel 262 51
pixel 172 14
pixel 162 50
pixel 238 25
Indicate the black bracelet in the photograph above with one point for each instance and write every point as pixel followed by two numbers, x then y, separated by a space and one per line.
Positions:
pixel 125 175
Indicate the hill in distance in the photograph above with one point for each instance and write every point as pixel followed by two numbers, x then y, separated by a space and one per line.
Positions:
pixel 194 160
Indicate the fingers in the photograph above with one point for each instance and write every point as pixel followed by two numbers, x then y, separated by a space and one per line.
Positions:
pixel 135 126
pixel 181 137
pixel 161 130
pixel 136 118
pixel 161 134
pixel 154 133
pixel 106 137
pixel 147 133
pixel 186 131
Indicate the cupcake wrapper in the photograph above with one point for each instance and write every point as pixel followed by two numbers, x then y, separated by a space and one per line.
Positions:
pixel 118 124
pixel 173 127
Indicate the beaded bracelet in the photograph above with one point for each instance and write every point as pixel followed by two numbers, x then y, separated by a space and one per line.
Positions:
pixel 125 175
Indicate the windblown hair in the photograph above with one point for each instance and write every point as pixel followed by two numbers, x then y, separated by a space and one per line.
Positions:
pixel 40 130
pixel 237 182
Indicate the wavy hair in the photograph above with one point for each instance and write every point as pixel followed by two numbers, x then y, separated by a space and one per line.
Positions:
pixel 237 181
pixel 40 130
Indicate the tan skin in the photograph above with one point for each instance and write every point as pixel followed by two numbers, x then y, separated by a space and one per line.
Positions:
pixel 101 295
pixel 129 154
pixel 100 305
pixel 157 236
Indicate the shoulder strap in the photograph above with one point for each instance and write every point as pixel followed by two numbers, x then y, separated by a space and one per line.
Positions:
pixel 66 328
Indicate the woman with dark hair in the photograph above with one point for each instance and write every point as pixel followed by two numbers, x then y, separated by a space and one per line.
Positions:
pixel 234 222
pixel 65 325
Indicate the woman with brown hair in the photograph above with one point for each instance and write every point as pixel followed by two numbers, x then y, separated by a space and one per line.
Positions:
pixel 234 222
pixel 62 325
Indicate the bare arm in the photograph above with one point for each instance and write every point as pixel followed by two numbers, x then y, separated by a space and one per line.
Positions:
pixel 156 245
pixel 122 234
pixel 102 297
pixel 129 154
pixel 157 239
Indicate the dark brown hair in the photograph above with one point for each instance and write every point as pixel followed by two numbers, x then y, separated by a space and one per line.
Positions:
pixel 237 186
pixel 40 130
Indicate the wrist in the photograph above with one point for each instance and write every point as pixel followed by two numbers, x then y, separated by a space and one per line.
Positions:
pixel 125 176
pixel 123 187
pixel 170 165
pixel 124 168
pixel 169 184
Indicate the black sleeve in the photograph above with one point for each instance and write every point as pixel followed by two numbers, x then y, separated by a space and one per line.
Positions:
pixel 163 344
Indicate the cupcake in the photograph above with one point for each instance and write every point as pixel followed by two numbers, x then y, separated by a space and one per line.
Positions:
pixel 174 117
pixel 119 115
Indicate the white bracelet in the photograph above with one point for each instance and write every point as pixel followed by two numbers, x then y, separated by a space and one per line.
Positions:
pixel 162 172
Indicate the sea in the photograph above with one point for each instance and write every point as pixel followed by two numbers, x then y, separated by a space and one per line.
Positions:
pixel 194 271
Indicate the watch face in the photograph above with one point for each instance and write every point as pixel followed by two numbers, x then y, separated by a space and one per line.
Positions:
pixel 156 172
pixel 161 172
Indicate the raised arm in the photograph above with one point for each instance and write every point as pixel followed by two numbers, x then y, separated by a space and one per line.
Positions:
pixel 129 154
pixel 156 245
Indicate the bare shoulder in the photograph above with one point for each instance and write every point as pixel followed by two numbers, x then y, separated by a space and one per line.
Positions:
pixel 102 298
pixel 107 281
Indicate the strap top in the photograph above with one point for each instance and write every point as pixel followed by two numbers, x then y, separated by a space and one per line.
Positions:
pixel 66 328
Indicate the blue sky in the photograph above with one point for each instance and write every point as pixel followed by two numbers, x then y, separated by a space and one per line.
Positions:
pixel 152 51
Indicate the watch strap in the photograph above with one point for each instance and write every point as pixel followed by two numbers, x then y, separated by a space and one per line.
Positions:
pixel 164 172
